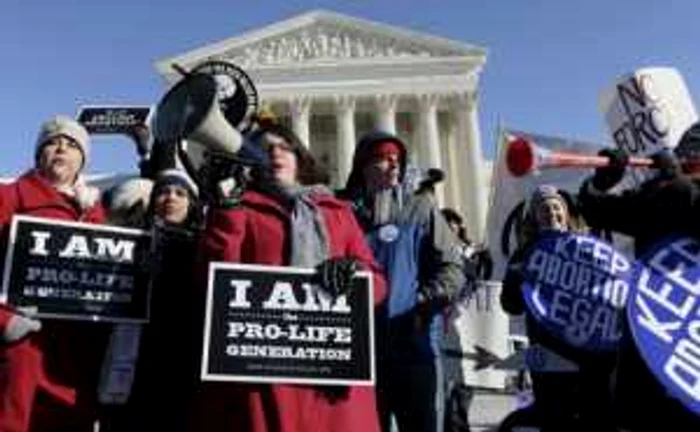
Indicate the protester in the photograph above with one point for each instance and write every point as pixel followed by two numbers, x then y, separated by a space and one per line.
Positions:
pixel 573 400
pixel 477 257
pixel 49 370
pixel 168 346
pixel 288 220
pixel 666 204
pixel 419 254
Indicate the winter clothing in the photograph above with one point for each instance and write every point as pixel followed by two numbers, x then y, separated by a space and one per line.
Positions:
pixel 420 255
pixel 560 397
pixel 689 145
pixel 258 232
pixel 170 344
pixel 66 126
pixel 178 177
pixel 659 208
pixel 49 379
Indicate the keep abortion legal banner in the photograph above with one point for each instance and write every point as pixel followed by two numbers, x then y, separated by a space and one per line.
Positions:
pixel 275 324
pixel 577 287
pixel 664 316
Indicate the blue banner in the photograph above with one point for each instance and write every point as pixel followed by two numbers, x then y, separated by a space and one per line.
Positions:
pixel 664 316
pixel 576 287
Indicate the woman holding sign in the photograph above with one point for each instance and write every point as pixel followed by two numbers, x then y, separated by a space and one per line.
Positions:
pixel 289 220
pixel 49 371
pixel 571 385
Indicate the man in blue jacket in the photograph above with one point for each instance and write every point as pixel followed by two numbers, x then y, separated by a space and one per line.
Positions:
pixel 420 256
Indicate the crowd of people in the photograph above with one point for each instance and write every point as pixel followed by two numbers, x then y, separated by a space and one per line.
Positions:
pixel 63 375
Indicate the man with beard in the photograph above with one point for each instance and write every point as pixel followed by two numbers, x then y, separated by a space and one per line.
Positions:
pixel 421 260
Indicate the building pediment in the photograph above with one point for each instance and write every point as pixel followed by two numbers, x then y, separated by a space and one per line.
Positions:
pixel 320 37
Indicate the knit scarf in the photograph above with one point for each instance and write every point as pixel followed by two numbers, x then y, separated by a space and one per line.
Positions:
pixel 309 237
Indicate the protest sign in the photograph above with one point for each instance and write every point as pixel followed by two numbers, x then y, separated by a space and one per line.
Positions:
pixel 664 316
pixel 77 271
pixel 477 336
pixel 577 286
pixel 274 324
pixel 645 111
pixel 113 119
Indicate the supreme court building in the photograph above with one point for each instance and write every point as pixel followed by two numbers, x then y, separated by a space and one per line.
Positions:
pixel 333 78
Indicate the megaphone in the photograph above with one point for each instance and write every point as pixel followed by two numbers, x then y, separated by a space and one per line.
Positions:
pixel 190 111
pixel 524 157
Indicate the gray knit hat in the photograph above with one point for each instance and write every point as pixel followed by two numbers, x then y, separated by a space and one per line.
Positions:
pixel 543 193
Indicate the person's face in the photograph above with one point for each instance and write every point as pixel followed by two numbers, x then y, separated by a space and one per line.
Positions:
pixel 283 160
pixel 60 160
pixel 552 214
pixel 383 171
pixel 454 226
pixel 172 204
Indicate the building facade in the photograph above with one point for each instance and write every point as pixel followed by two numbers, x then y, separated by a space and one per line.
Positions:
pixel 333 78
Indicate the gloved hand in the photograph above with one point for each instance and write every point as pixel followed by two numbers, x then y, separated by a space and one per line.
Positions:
pixel 666 163
pixel 334 393
pixel 18 327
pixel 608 176
pixel 335 275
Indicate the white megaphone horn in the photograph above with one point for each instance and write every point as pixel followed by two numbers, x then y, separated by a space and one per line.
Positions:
pixel 524 157
pixel 190 111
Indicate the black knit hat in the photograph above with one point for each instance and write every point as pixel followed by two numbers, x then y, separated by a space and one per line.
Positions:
pixel 689 144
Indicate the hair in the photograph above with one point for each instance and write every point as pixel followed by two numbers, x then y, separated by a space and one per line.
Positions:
pixel 308 170
pixel 452 216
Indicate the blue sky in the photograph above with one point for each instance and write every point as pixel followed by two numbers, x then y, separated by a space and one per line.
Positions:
pixel 547 63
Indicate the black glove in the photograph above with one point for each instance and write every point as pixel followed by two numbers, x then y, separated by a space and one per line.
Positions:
pixel 608 176
pixel 334 393
pixel 666 163
pixel 335 275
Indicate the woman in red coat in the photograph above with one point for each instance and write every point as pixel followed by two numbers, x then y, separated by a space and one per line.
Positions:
pixel 286 222
pixel 49 370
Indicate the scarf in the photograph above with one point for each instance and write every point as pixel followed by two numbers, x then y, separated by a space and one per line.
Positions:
pixel 308 235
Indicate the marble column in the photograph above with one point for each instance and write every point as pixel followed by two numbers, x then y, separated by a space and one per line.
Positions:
pixel 386 112
pixel 345 117
pixel 475 190
pixel 429 143
pixel 300 110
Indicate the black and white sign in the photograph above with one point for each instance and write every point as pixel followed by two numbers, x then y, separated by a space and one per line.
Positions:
pixel 273 324
pixel 77 271
pixel 235 91
pixel 113 119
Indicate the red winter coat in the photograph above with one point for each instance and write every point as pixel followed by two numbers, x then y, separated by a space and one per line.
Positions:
pixel 49 380
pixel 256 233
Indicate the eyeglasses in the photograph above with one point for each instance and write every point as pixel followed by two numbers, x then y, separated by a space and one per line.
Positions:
pixel 62 139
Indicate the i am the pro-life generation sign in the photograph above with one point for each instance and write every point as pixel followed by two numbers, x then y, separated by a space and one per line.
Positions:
pixel 664 316
pixel 78 271
pixel 275 325
pixel 577 286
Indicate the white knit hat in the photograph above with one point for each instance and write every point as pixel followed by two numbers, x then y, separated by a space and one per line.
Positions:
pixel 66 126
